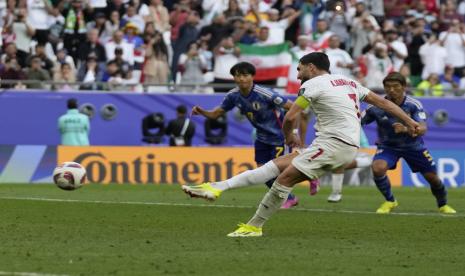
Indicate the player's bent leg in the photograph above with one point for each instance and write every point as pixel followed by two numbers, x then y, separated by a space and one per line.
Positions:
pixel 272 201
pixel 439 191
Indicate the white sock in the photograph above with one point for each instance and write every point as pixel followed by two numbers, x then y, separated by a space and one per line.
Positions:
pixel 363 161
pixel 271 202
pixel 259 175
pixel 336 182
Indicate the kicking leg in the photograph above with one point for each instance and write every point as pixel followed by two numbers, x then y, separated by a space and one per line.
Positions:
pixel 260 175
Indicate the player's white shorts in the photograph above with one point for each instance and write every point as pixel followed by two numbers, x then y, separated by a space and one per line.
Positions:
pixel 323 156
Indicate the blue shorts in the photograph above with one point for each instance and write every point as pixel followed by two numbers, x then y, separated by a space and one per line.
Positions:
pixel 265 152
pixel 418 160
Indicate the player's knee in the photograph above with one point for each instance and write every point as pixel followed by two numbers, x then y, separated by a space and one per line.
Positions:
pixel 379 169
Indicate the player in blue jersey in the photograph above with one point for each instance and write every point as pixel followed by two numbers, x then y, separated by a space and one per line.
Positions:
pixel 265 111
pixel 394 143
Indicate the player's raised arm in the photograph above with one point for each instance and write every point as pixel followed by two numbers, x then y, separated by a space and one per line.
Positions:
pixel 412 126
pixel 210 114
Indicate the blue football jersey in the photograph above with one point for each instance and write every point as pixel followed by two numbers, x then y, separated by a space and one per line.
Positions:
pixel 263 108
pixel 386 136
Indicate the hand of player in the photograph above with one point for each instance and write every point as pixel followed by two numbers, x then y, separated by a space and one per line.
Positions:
pixel 413 128
pixel 293 141
pixel 196 110
pixel 399 128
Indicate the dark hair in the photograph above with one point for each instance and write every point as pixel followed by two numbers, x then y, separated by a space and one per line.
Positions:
pixel 72 103
pixel 243 68
pixel 320 60
pixel 395 76
pixel 181 109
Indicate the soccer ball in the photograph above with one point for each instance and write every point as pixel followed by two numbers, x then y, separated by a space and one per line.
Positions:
pixel 69 176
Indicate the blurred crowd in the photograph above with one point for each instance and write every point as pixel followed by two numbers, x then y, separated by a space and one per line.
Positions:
pixel 85 44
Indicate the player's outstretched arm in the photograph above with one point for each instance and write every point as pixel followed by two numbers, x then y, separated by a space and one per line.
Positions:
pixel 210 114
pixel 390 107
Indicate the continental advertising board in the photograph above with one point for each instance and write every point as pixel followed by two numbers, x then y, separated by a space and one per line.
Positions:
pixel 143 165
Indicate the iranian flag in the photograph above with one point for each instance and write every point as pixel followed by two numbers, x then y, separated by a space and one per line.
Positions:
pixel 271 61
pixel 293 84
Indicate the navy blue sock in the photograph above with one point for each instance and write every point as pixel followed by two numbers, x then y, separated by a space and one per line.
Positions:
pixel 384 186
pixel 440 193
pixel 269 183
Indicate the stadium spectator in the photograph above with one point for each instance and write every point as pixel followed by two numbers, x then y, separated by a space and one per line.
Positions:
pixel 277 26
pixel 188 33
pixel 156 68
pixel 158 14
pixel 226 55
pixel 65 78
pixel 45 62
pixel 378 65
pixel 415 59
pixel 449 81
pixel 117 6
pixel 74 127
pixel 247 34
pixel 363 33
pixel 433 56
pixel 397 50
pixel 39 15
pixel 10 51
pixel 218 30
pixel 233 10
pixel 320 37
pixel 90 73
pixel 131 16
pixel 119 42
pixel 102 26
pixel 340 60
pixel 448 15
pixel 24 32
pixel 92 46
pixel 132 37
pixel 263 38
pixel 11 71
pixel 36 74
pixel 61 58
pixel 123 66
pixel 429 87
pixel 192 65
pixel 338 21
pixel 181 130
pixel 454 41
pixel 178 17
pixel 114 22
pixel 75 27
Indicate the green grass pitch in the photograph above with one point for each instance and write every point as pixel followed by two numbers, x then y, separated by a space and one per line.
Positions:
pixel 158 230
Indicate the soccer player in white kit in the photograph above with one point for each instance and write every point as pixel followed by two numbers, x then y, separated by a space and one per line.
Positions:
pixel 335 99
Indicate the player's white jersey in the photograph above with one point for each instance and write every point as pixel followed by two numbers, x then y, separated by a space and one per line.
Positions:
pixel 335 100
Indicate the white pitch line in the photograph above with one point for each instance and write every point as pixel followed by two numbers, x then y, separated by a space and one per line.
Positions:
pixel 224 206
pixel 29 274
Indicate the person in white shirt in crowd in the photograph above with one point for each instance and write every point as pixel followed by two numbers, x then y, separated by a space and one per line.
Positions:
pixel 340 61
pixel 277 27
pixel 133 17
pixel 378 66
pixel 303 47
pixel 363 32
pixel 376 8
pixel 397 50
pixel 454 41
pixel 23 34
pixel 192 65
pixel 433 56
pixel 39 16
pixel 226 55
pixel 119 42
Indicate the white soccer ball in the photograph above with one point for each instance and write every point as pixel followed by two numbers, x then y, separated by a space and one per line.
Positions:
pixel 69 176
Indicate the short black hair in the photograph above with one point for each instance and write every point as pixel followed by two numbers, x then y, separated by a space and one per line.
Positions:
pixel 395 76
pixel 320 60
pixel 243 68
pixel 181 109
pixel 72 103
